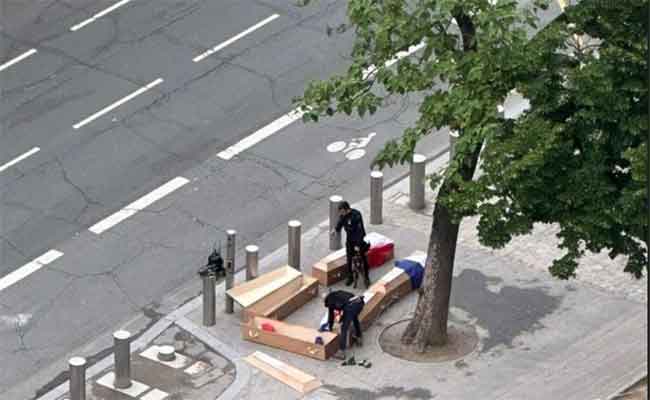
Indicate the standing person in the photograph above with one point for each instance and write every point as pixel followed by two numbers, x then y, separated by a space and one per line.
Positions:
pixel 351 306
pixel 352 221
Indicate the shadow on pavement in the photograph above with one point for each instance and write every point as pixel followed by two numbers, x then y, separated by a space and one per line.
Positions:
pixel 505 312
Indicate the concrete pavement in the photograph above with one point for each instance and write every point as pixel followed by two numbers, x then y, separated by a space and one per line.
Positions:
pixel 540 338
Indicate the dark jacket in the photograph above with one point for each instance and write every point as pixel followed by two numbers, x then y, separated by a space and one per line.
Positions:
pixel 336 301
pixel 353 224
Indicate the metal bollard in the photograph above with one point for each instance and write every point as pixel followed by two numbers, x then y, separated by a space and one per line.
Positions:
pixel 209 299
pixel 376 197
pixel 122 355
pixel 252 256
pixel 416 182
pixel 294 244
pixel 230 268
pixel 453 138
pixel 77 367
pixel 335 239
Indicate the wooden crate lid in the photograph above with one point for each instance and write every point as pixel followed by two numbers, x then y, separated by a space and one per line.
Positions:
pixel 298 332
pixel 249 293
pixel 285 373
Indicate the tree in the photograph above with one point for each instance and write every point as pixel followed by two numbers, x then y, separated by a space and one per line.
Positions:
pixel 474 53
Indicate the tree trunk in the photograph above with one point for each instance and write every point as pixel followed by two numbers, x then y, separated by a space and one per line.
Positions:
pixel 429 324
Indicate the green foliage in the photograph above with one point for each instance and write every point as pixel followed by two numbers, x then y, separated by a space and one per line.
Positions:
pixel 576 158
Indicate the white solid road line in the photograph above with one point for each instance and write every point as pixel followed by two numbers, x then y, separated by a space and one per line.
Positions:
pixel 296 114
pixel 117 104
pixel 19 159
pixel 371 70
pixel 138 205
pixel 261 134
pixel 29 268
pixel 17 59
pixel 99 15
pixel 234 38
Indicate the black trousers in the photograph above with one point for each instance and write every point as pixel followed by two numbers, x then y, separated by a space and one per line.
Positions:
pixel 349 251
pixel 351 313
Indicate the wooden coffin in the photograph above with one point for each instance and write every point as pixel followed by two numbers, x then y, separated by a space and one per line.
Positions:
pixel 330 269
pixel 388 289
pixel 281 303
pixel 289 375
pixel 293 338
pixel 285 280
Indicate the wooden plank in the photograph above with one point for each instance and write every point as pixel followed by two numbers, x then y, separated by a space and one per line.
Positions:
pixel 285 373
pixel 249 293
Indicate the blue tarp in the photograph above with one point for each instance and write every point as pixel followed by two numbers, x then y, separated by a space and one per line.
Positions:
pixel 413 269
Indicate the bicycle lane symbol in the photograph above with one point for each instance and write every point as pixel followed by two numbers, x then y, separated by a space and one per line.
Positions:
pixel 353 150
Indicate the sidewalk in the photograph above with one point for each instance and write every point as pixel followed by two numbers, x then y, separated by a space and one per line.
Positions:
pixel 540 338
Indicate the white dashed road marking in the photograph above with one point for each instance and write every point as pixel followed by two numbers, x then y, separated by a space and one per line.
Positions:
pixel 29 268
pixel 19 159
pixel 138 205
pixel 118 103
pixel 99 15
pixel 18 59
pixel 234 38
pixel 261 134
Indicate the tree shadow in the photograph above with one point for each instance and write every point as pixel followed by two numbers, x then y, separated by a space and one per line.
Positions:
pixel 388 392
pixel 505 314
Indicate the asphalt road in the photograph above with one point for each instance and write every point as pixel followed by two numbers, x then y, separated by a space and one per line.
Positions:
pixel 99 129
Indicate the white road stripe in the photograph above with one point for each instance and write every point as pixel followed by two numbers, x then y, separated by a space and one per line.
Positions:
pixel 296 114
pixel 19 159
pixel 117 104
pixel 234 38
pixel 261 134
pixel 99 15
pixel 18 59
pixel 371 70
pixel 29 268
pixel 138 205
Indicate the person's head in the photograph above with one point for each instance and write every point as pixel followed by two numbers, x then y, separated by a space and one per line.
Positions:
pixel 344 208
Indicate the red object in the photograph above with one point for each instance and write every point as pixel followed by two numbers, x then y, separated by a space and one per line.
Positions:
pixel 378 255
pixel 267 327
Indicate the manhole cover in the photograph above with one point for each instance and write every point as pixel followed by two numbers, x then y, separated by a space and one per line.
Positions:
pixel 462 340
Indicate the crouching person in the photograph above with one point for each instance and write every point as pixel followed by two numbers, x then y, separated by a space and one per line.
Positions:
pixel 350 306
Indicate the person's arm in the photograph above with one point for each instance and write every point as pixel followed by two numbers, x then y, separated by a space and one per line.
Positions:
pixel 339 224
pixel 363 229
pixel 330 318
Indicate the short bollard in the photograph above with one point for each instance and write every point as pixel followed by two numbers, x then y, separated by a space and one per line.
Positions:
pixel 252 256
pixel 230 268
pixel 166 353
pixel 416 182
pixel 122 354
pixel 453 138
pixel 209 299
pixel 376 198
pixel 77 366
pixel 335 238
pixel 294 244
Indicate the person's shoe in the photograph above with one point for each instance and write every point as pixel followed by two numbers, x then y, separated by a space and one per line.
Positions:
pixel 351 361
pixel 339 355
pixel 349 281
